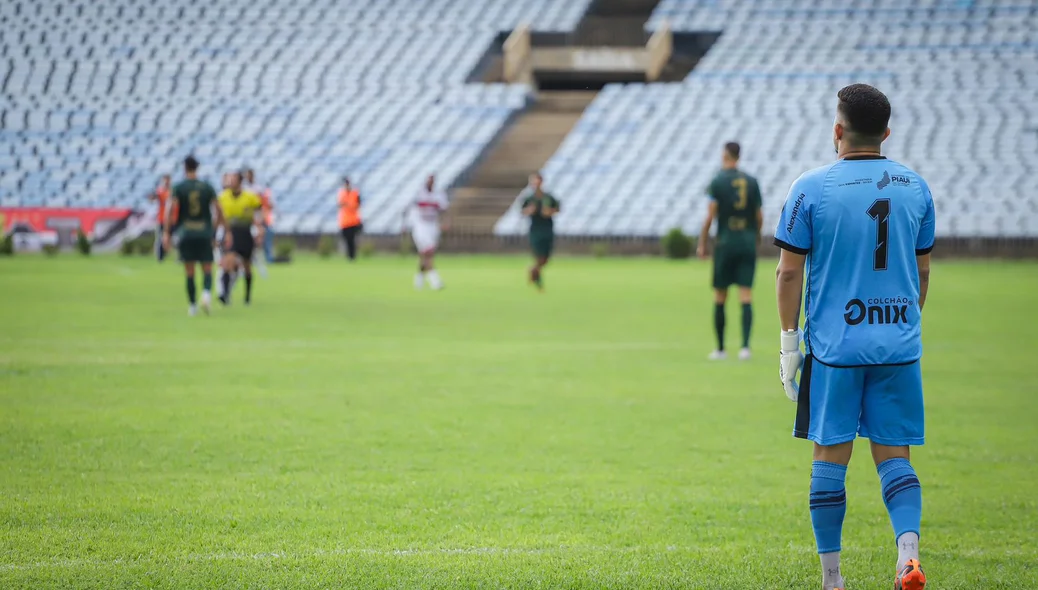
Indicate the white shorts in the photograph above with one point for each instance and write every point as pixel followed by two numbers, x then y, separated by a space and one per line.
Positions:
pixel 426 237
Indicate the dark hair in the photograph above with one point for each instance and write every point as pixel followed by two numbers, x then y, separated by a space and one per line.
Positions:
pixel 346 180
pixel 865 110
pixel 732 149
pixel 190 164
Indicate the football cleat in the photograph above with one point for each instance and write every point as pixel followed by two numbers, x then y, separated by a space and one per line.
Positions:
pixel 911 577
pixel 745 354
pixel 717 355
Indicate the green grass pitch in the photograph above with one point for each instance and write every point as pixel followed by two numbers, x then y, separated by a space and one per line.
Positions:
pixel 348 432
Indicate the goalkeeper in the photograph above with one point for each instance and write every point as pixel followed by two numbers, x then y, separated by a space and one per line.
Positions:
pixel 864 227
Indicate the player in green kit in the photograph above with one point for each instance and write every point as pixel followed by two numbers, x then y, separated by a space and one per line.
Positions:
pixel 735 202
pixel 540 207
pixel 196 209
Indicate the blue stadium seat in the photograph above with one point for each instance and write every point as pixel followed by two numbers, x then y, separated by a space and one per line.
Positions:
pixel 108 84
pixel 962 78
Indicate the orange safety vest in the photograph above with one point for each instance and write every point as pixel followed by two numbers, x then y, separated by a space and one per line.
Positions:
pixel 268 208
pixel 162 194
pixel 349 208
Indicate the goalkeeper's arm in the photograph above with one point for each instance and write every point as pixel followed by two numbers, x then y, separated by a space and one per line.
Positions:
pixel 788 284
pixel 789 281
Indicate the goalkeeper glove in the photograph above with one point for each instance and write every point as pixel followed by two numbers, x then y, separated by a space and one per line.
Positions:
pixel 791 360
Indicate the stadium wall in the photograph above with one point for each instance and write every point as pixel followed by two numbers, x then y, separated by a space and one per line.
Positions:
pixel 462 242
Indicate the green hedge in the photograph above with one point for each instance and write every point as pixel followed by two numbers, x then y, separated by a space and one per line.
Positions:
pixel 677 245
pixel 326 246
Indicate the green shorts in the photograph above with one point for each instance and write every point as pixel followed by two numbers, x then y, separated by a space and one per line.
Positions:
pixel 542 244
pixel 734 266
pixel 195 249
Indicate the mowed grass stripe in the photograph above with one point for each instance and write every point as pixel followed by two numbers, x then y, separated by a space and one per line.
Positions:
pixel 347 431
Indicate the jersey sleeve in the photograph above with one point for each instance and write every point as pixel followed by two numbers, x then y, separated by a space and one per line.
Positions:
pixel 793 232
pixel 758 201
pixel 711 190
pixel 924 243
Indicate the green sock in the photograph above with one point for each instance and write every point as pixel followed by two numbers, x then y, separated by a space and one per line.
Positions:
pixel 191 290
pixel 719 325
pixel 207 281
pixel 747 323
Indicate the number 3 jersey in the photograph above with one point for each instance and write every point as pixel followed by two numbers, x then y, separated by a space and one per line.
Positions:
pixel 738 201
pixel 861 222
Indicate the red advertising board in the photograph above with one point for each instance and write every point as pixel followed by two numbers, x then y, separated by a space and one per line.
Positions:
pixel 55 219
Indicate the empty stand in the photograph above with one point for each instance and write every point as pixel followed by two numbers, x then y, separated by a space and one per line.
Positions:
pixel 962 77
pixel 99 98
pixel 525 147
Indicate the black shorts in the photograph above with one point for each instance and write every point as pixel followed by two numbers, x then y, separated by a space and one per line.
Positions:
pixel 352 231
pixel 243 243
pixel 196 249
pixel 542 244
pixel 734 266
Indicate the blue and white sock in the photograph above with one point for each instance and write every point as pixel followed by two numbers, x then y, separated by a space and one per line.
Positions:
pixel 903 496
pixel 828 508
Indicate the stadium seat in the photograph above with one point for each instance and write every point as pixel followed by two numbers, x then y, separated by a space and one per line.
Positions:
pixel 302 93
pixel 962 78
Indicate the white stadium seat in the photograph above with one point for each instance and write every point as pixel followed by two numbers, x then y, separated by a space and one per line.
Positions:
pixel 304 92
pixel 962 78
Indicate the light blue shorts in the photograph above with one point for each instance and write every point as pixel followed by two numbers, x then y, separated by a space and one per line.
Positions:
pixel 883 403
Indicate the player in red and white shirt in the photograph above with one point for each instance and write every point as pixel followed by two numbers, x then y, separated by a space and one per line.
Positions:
pixel 426 220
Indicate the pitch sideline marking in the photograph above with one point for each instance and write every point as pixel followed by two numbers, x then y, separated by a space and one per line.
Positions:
pixel 321 553
pixel 270 555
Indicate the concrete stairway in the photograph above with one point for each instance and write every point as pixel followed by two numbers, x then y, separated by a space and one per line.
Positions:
pixel 615 23
pixel 524 148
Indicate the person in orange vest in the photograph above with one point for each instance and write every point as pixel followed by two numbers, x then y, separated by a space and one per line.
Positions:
pixel 161 195
pixel 349 217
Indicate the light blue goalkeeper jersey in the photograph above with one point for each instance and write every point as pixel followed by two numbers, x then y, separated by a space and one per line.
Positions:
pixel 861 221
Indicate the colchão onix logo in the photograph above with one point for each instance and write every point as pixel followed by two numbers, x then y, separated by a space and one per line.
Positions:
pixel 877 311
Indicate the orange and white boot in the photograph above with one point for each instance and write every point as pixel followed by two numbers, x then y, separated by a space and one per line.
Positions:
pixel 911 577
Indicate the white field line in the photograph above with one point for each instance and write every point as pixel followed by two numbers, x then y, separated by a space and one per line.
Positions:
pixel 521 551
pixel 266 556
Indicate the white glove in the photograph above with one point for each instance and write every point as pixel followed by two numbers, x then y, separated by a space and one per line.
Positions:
pixel 791 360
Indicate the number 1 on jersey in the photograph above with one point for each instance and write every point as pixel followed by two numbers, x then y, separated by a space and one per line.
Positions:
pixel 880 211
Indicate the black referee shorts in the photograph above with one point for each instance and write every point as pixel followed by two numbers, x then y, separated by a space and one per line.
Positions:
pixel 243 243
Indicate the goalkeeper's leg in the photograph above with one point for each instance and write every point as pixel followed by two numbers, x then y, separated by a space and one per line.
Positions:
pixel 892 419
pixel 828 503
pixel 828 407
